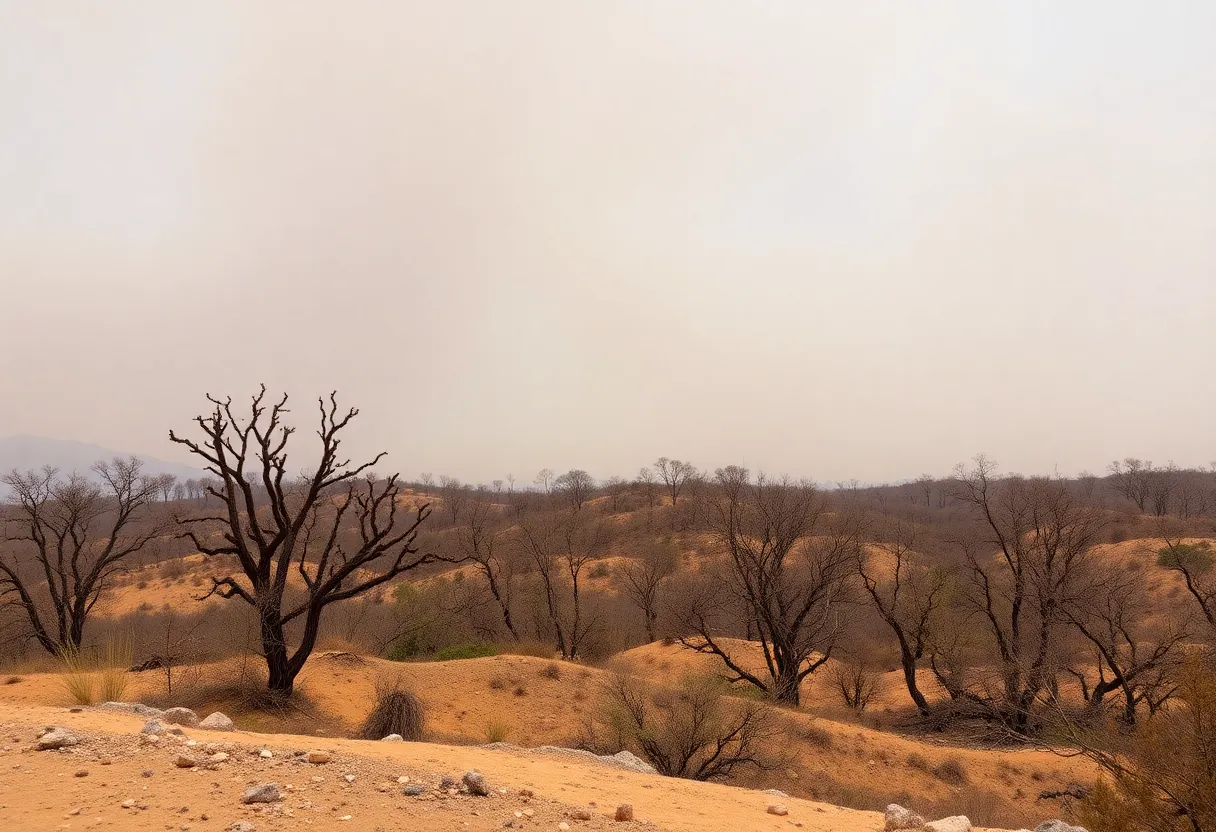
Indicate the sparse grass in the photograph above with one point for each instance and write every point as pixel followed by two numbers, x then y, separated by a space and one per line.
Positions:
pixel 817 736
pixel 496 731
pixel 918 762
pixel 552 671
pixel 397 711
pixel 520 690
pixel 13 680
pixel 498 683
pixel 951 772
pixel 76 675
pixel 114 674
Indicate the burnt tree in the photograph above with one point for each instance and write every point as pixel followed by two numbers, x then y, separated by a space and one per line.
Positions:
pixel 341 530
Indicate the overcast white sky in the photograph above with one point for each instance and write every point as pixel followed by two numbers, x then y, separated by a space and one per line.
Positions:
pixel 830 239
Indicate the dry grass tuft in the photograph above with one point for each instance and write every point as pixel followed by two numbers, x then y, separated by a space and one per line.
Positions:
pixel 951 771
pixel 397 711
pixel 496 731
pixel 115 667
pixel 76 675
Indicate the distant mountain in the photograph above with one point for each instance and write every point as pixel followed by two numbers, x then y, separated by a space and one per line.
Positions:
pixel 32 452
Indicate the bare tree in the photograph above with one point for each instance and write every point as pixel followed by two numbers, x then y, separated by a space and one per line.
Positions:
pixel 79 533
pixel 577 485
pixel 789 596
pixel 544 480
pixel 454 496
pixel 1194 562
pixel 1026 549
pixel 481 541
pixel 674 475
pixel 926 481
pixel 166 482
pixel 340 530
pixel 908 597
pixel 646 482
pixel 560 544
pixel 1131 479
pixel 856 682
pixel 643 576
pixel 1109 609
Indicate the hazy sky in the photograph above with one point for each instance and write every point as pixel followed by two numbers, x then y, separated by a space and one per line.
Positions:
pixel 824 238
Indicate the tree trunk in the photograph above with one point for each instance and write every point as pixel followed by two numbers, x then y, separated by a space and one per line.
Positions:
pixel 281 678
pixel 909 664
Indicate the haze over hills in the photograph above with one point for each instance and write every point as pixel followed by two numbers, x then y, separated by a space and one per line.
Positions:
pixel 31 452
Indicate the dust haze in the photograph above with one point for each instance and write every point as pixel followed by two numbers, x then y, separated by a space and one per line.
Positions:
pixel 836 242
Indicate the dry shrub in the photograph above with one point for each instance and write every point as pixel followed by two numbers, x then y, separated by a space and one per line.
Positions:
pixel 951 771
pixel 1162 777
pixel 498 683
pixel 12 680
pixel 817 736
pixel 397 711
pixel 918 762
pixel 693 730
pixel 855 682
pixel 552 671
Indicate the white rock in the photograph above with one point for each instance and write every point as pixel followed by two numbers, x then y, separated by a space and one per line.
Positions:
pixel 181 716
pixel 393 738
pixel 955 823
pixel 217 722
pixel 897 817
pixel 1058 826
pixel 57 738
pixel 350 778
pixel 778 810
pixel 265 754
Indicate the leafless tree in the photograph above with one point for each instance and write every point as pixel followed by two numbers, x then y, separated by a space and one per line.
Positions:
pixel 856 682
pixel 426 479
pixel 642 578
pixel 340 530
pixel 454 496
pixel 179 492
pixel 544 480
pixel 649 487
pixel 786 576
pixel 166 482
pixel 1195 562
pixel 1109 609
pixel 674 475
pixel 908 595
pixel 926 481
pixel 79 533
pixel 560 544
pixel 482 542
pixel 576 485
pixel 1131 479
pixel 616 488
pixel 1027 547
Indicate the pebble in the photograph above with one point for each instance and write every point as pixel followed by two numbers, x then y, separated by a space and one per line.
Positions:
pixel 413 790
pixel 318 757
pixel 265 793
pixel 182 761
pixel 217 722
pixel 475 783
pixel 580 813
pixel 57 738
pixel 777 809
pixel 265 754
pixel 350 778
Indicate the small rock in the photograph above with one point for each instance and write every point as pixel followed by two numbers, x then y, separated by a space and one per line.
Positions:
pixel 183 761
pixel 525 792
pixel 217 722
pixel 57 738
pixel 580 813
pixel 147 772
pixel 403 779
pixel 128 803
pixel 350 778
pixel 75 710
pixel 240 826
pixel 413 790
pixel 564 827
pixel 218 757
pixel 898 817
pixel 154 727
pixel 777 809
pixel 624 812
pixel 475 783
pixel 83 773
pixel 446 783
pixel 317 757
pixel 1058 826
pixel 265 793
pixel 954 823
pixel 393 738
pixel 265 753
pixel 181 716
pixel 149 739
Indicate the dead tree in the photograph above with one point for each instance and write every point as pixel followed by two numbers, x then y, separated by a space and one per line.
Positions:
pixel 1021 559
pixel 675 474
pixel 576 485
pixel 643 576
pixel 481 542
pixel 1108 608
pixel 341 531
pixel 79 533
pixel 785 577
pixel 908 597
pixel 560 544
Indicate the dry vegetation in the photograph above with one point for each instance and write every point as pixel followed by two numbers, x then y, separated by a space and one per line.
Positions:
pixel 962 645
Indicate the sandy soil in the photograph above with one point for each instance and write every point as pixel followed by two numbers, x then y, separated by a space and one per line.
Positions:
pixel 45 789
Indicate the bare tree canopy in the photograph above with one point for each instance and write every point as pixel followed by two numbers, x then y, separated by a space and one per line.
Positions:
pixel 341 531
pixel 675 474
pixel 80 532
pixel 785 576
